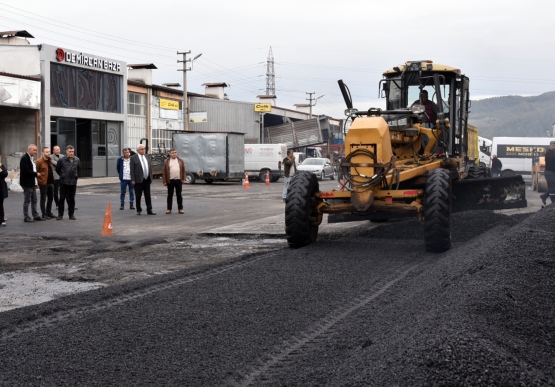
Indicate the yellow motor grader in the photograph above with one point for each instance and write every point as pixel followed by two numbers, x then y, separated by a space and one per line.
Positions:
pixel 410 159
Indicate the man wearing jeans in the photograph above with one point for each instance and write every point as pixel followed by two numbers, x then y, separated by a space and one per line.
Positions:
pixel 288 164
pixel 28 181
pixel 124 171
pixel 46 183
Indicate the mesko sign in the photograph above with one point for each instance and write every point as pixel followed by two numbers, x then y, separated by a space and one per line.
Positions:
pixel 85 60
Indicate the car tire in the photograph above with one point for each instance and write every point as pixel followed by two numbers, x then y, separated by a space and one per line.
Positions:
pixel 189 179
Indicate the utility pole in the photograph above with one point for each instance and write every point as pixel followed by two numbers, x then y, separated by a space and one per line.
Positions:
pixel 185 69
pixel 310 102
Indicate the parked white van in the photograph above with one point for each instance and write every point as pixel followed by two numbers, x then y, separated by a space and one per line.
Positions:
pixel 260 158
pixel 516 153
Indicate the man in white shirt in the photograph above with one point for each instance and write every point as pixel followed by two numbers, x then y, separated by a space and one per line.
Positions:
pixel 141 178
pixel 124 172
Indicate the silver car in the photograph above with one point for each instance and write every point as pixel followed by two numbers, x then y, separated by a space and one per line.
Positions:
pixel 321 167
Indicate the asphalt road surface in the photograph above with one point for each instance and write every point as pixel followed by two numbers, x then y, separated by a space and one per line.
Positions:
pixel 373 308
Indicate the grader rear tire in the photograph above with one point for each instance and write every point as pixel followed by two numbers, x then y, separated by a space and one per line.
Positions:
pixel 437 211
pixel 477 172
pixel 299 208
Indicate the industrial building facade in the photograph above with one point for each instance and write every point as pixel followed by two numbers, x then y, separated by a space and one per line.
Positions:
pixel 52 95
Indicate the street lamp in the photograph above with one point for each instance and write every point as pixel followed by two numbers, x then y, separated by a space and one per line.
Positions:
pixel 316 100
pixel 185 69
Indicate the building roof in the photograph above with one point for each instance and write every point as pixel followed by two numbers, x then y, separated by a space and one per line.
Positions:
pixel 223 84
pixel 30 78
pixel 19 34
pixel 266 96
pixel 174 84
pixel 302 105
pixel 142 66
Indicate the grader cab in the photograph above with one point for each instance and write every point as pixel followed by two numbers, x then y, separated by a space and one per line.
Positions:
pixel 410 159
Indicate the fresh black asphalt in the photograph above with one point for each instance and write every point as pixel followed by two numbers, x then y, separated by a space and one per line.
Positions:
pixel 373 309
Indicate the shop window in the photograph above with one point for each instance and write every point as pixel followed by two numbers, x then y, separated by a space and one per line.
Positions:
pixel 72 87
pixel 136 104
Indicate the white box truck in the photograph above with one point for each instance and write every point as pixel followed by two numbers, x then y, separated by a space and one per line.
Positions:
pixel 260 158
pixel 516 153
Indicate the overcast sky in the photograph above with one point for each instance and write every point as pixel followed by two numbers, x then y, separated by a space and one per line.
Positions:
pixel 505 47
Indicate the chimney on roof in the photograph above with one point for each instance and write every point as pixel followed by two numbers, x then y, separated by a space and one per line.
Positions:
pixel 15 37
pixel 173 85
pixel 141 72
pixel 302 107
pixel 271 99
pixel 216 89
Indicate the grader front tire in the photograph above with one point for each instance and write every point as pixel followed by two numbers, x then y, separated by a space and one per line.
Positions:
pixel 300 227
pixel 437 211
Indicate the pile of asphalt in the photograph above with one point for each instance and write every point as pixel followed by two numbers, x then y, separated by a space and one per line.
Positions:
pixel 482 314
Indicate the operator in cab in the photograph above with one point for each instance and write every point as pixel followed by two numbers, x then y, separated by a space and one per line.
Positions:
pixel 430 114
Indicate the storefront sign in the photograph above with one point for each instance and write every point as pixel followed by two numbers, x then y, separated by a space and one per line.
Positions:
pixel 169 104
pixel 19 92
pixel 86 60
pixel 262 107
pixel 198 117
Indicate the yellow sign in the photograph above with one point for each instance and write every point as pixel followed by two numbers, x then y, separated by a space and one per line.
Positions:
pixel 262 107
pixel 169 104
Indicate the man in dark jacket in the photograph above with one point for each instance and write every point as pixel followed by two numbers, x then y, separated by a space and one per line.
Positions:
pixel 3 192
pixel 68 169
pixel 549 173
pixel 496 166
pixel 28 181
pixel 141 178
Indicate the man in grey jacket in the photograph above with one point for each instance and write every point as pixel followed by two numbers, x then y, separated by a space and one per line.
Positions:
pixel 68 169
pixel 54 157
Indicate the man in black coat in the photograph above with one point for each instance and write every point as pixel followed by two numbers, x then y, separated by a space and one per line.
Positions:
pixel 141 178
pixel 3 191
pixel 68 169
pixel 28 180
pixel 496 166
pixel 549 174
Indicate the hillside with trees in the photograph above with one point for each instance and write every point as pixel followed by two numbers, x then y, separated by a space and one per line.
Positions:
pixel 514 116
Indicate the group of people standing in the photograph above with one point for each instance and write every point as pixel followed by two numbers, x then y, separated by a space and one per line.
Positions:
pixel 135 175
pixel 56 177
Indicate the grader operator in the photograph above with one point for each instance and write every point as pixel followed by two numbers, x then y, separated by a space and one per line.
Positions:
pixel 399 162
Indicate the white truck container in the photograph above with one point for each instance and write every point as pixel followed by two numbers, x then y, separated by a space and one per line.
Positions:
pixel 260 158
pixel 516 153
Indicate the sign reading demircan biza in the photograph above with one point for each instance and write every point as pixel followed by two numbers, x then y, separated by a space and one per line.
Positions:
pixel 86 60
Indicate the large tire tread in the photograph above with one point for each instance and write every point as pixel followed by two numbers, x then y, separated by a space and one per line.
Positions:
pixel 299 228
pixel 437 211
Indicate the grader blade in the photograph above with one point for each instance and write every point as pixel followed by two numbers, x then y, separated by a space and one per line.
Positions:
pixel 499 193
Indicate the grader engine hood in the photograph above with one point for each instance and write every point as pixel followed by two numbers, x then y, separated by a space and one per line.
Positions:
pixel 369 149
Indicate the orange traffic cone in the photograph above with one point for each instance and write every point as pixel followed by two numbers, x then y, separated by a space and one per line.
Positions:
pixel 267 178
pixel 107 227
pixel 246 182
